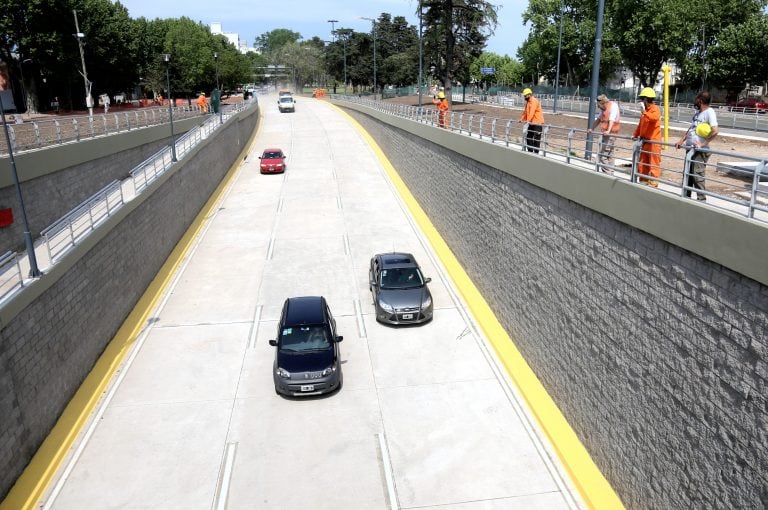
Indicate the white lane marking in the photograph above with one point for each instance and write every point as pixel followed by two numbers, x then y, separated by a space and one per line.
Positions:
pixel 347 249
pixel 254 327
pixel 338 203
pixel 359 317
pixel 270 248
pixel 388 475
pixel 225 475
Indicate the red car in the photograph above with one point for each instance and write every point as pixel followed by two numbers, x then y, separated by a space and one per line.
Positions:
pixel 750 105
pixel 272 161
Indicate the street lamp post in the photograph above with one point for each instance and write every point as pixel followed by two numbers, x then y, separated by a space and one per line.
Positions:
pixel 421 56
pixel 557 73
pixel 216 59
pixel 33 269
pixel 79 36
pixel 167 60
pixel 373 24
pixel 595 75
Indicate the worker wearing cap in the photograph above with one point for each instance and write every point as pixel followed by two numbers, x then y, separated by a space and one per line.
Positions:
pixel 649 131
pixel 532 116
pixel 609 122
pixel 703 130
pixel 442 107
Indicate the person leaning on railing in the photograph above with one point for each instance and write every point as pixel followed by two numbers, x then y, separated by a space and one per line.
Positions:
pixel 703 129
pixel 533 116
pixel 610 122
pixel 648 130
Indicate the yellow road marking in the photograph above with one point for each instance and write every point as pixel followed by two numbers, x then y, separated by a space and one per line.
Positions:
pixel 49 458
pixel 594 488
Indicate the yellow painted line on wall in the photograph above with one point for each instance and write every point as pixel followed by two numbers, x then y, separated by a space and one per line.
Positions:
pixel 595 490
pixel 41 470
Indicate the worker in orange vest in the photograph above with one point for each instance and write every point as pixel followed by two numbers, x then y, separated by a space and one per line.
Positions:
pixel 649 131
pixel 610 122
pixel 202 103
pixel 442 106
pixel 533 116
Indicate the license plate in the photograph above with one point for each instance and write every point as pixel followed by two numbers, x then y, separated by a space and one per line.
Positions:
pixel 407 316
pixel 308 387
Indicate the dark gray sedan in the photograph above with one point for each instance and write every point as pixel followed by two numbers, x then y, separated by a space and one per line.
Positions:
pixel 400 292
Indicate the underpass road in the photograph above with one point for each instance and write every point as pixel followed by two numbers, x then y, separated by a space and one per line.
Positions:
pixel 193 421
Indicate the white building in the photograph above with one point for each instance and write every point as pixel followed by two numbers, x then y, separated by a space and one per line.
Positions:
pixel 232 37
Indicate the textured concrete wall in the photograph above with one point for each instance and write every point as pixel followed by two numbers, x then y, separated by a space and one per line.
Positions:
pixel 657 356
pixel 57 179
pixel 55 330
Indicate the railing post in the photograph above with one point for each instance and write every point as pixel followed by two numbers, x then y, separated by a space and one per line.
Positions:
pixel 482 118
pixel 104 121
pixel 571 132
pixel 544 133
pixel 12 134
pixel 117 123
pixel 461 121
pixel 58 130
pixel 687 171
pixel 506 132
pixel 38 138
pixel 469 124
pixel 635 158
pixel 90 124
pixel 759 169
pixel 525 136
pixel 77 129
pixel 493 130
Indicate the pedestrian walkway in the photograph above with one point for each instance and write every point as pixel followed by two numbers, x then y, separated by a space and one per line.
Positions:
pixel 427 416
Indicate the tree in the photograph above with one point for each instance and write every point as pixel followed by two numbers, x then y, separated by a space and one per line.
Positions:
pixel 738 58
pixel 455 33
pixel 273 40
pixel 539 51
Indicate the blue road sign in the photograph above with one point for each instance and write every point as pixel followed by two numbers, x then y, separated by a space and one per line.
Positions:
pixel 487 70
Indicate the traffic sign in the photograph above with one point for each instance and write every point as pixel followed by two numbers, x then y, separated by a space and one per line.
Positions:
pixel 487 70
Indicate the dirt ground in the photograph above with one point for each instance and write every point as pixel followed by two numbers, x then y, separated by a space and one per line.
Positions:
pixel 717 181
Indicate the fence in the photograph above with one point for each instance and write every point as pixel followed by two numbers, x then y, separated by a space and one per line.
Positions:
pixel 37 134
pixel 731 181
pixel 64 234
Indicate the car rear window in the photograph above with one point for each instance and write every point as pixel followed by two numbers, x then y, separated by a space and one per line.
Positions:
pixel 272 155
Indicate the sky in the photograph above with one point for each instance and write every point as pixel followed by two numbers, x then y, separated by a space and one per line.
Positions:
pixel 251 18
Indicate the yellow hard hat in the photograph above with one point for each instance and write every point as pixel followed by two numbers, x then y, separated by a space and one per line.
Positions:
pixel 441 95
pixel 704 130
pixel 647 92
pixel 527 92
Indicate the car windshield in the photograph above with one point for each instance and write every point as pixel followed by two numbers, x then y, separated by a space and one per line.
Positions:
pixel 272 155
pixel 286 99
pixel 401 278
pixel 304 338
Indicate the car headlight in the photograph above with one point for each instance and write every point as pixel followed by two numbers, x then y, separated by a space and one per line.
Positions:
pixel 386 307
pixel 427 301
pixel 329 370
pixel 281 372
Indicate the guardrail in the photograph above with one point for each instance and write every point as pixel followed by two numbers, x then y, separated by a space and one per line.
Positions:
pixel 64 234
pixel 731 181
pixel 36 134
pixel 731 117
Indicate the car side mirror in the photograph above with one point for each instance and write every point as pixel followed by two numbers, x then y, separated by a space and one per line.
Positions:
pixel 273 343
pixel 339 338
pixel 427 280
pixel 373 283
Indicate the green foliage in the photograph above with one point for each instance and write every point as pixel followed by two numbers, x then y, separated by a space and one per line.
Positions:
pixel 455 33
pixel 733 60
pixel 273 40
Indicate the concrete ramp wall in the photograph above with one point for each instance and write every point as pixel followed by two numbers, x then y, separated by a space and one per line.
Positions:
pixel 644 315
pixel 55 329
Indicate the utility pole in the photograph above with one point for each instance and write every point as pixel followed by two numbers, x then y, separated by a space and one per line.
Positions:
pixel 373 24
pixel 421 55
pixel 595 74
pixel 79 35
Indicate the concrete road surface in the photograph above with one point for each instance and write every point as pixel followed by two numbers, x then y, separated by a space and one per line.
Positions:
pixel 425 418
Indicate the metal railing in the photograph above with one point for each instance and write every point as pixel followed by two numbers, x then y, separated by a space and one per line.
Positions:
pixel 728 117
pixel 731 181
pixel 64 234
pixel 39 133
